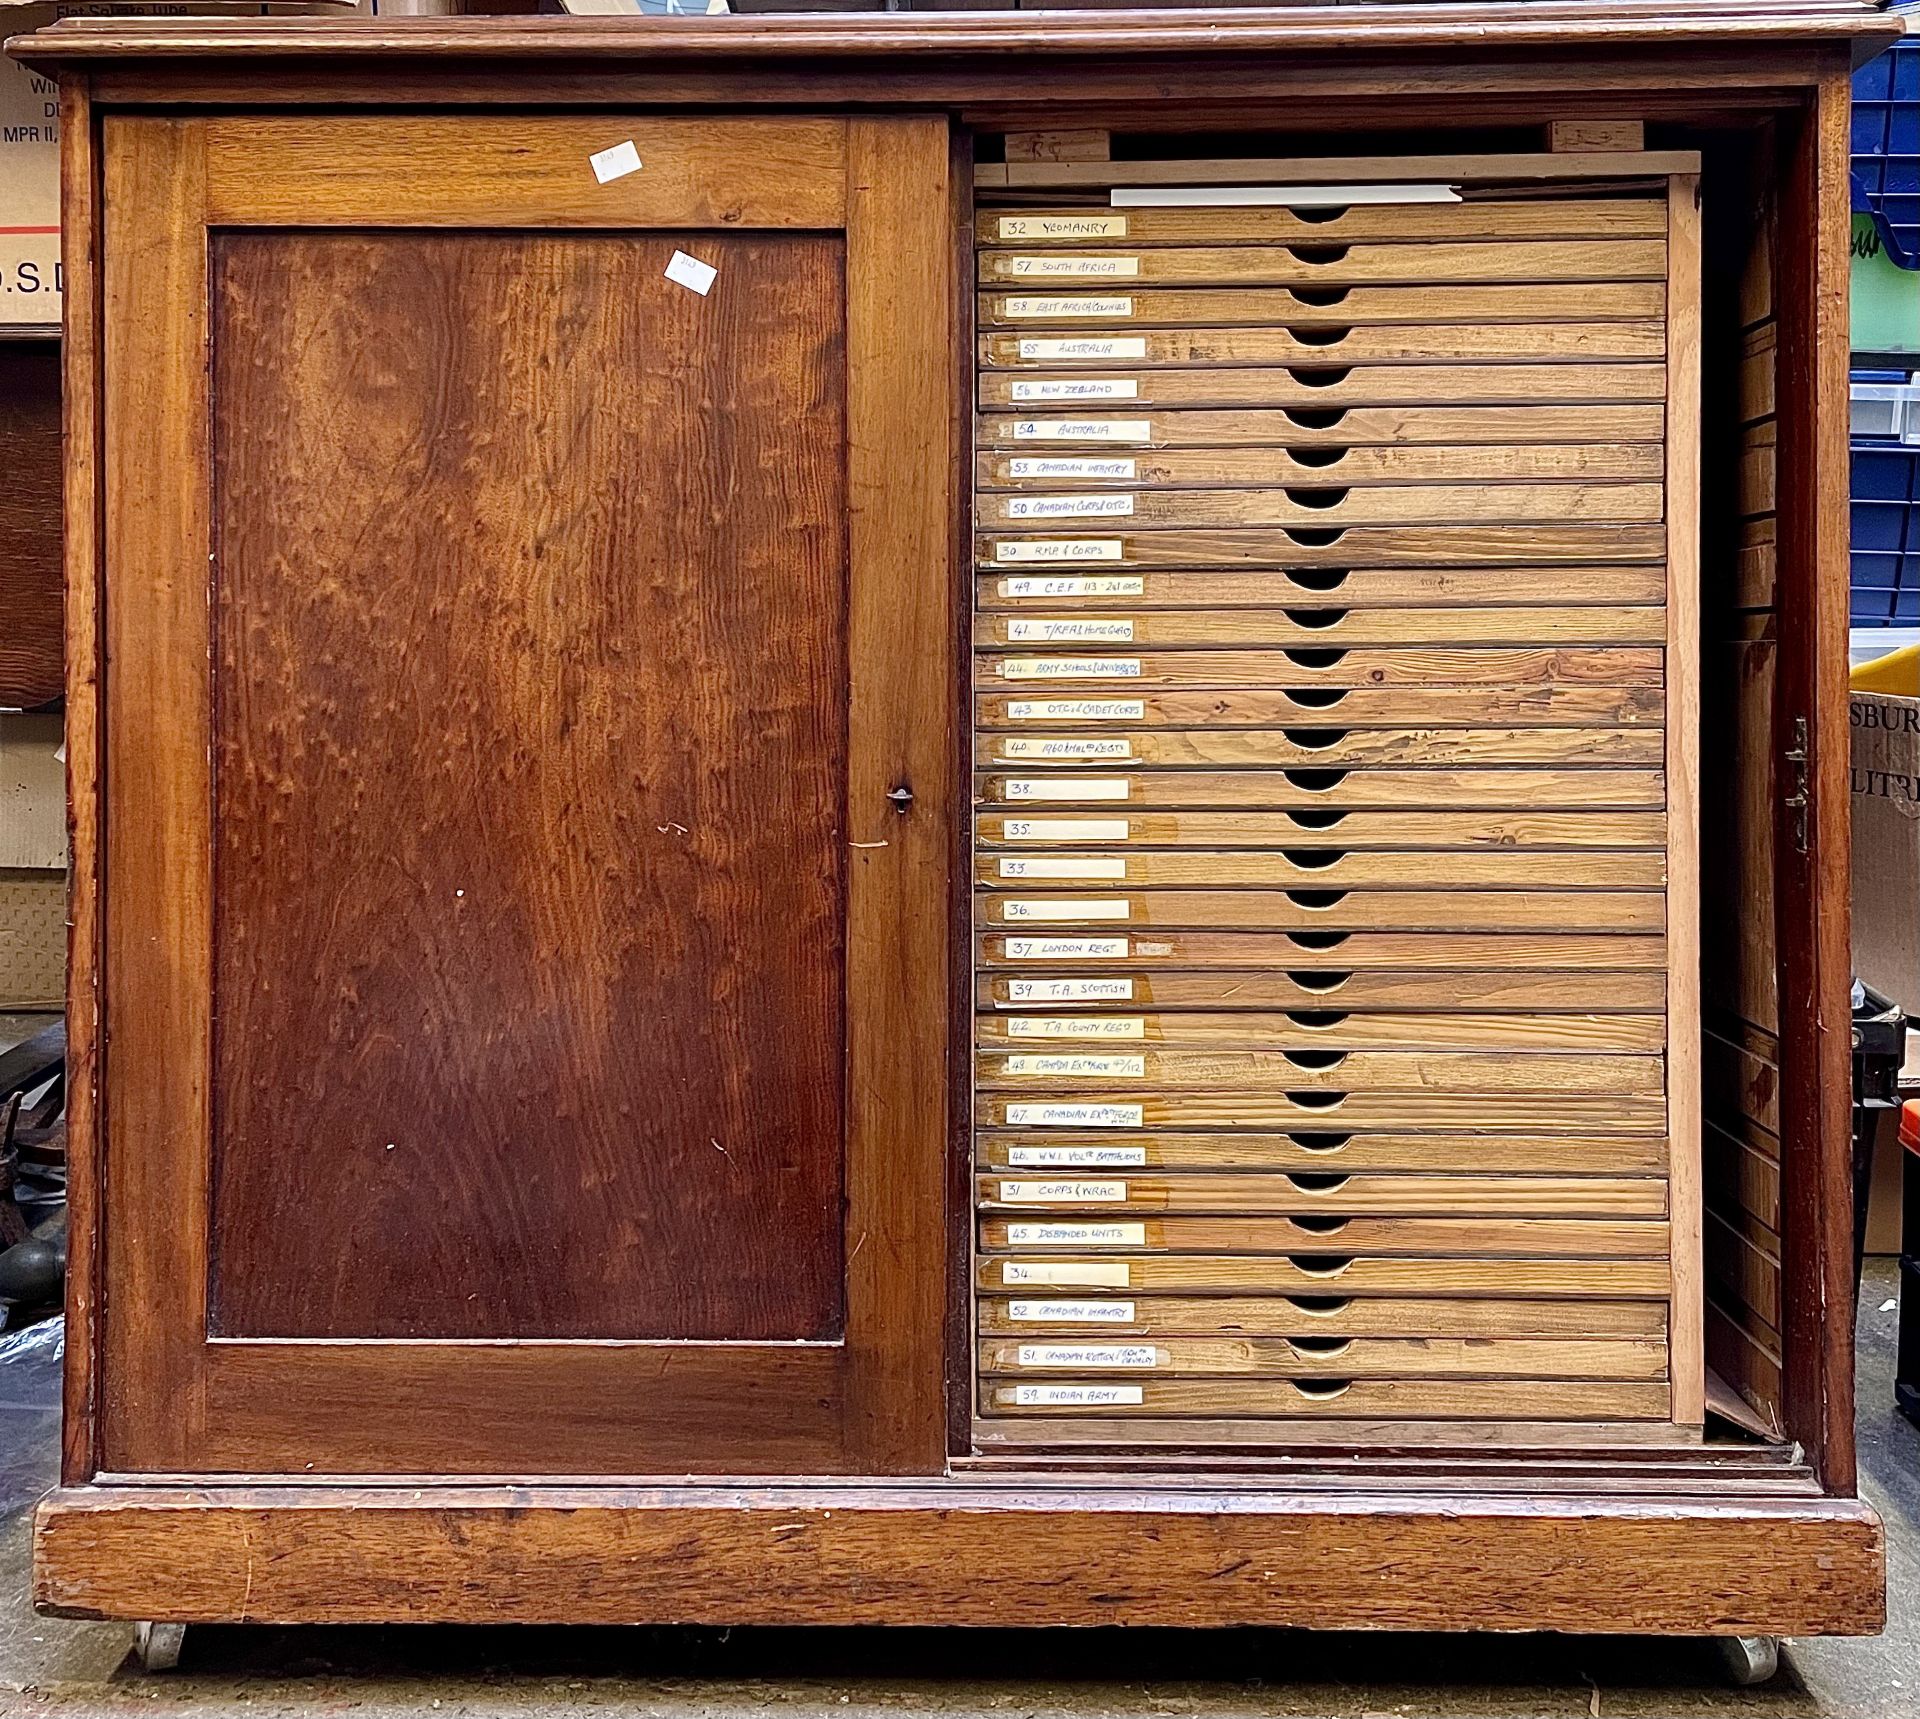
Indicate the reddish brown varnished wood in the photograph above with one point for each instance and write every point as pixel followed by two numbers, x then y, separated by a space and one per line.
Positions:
pixel 1016 1551
pixel 29 523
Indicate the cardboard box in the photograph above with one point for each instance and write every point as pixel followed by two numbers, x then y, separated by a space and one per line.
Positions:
pixel 30 148
pixel 1886 844
pixel 33 939
pixel 33 794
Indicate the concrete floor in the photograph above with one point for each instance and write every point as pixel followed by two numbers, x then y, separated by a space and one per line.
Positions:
pixel 48 1666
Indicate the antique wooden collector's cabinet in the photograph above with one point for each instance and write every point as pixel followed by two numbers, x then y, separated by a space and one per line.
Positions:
pixel 1022 818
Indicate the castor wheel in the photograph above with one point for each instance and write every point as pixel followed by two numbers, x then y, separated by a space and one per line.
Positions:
pixel 1749 1659
pixel 157 1646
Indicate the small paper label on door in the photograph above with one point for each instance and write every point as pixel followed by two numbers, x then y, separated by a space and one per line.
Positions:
pixel 1078 1396
pixel 1075 1115
pixel 1065 265
pixel 1093 866
pixel 1080 429
pixel 1070 1312
pixel 1087 1355
pixel 690 272
pixel 615 163
pixel 1040 629
pixel 1063 1193
pixel 1076 709
pixel 1060 549
pixel 1052 307
pixel 1066 585
pixel 1063 829
pixel 1089 226
pixel 1080 388
pixel 1066 948
pixel 1066 907
pixel 1077 1027
pixel 1070 991
pixel 1067 1065
pixel 1087 346
pixel 1076 1157
pixel 1123 470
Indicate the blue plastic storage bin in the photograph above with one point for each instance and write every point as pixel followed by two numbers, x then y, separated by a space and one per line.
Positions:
pixel 1886 534
pixel 1886 148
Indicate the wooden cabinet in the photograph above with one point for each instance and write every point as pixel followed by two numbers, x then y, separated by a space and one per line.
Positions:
pixel 832 865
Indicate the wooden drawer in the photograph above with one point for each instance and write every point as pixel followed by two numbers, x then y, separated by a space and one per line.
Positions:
pixel 1370 1399
pixel 1315 1357
pixel 1306 1106
pixel 1363 588
pixel 1357 467
pixel 1239 987
pixel 1549 399
pixel 1310 747
pixel 1472 1234
pixel 1631 694
pixel 1321 507
pixel 1317 1318
pixel 1326 1273
pixel 1232 1194
pixel 1082 305
pixel 1375 343
pixel 1294 670
pixel 1324 869
pixel 1362 1072
pixel 1307 1029
pixel 1339 831
pixel 1319 787
pixel 1304 1152
pixel 1169 408
pixel 1315 910
pixel 1316 264
pixel 1302 626
pixel 1416 225
pixel 1098 541
pixel 1319 951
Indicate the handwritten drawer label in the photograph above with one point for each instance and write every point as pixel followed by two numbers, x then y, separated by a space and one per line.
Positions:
pixel 1093 866
pixel 1090 226
pixel 1078 1396
pixel 1069 1027
pixel 1081 429
pixel 1068 788
pixel 1071 1312
pixel 1080 388
pixel 1077 1157
pixel 1077 1235
pixel 1063 829
pixel 1052 307
pixel 1043 746
pixel 1070 991
pixel 1087 346
pixel 1038 629
pixel 1066 907
pixel 1066 585
pixel 1070 668
pixel 1125 469
pixel 1069 506
pixel 1066 948
pixel 1060 549
pixel 1068 1065
pixel 1087 1355
pixel 1076 709
pixel 1080 1273
pixel 1063 264
pixel 1075 1115
pixel 1063 1193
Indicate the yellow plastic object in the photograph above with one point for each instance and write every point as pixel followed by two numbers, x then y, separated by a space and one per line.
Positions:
pixel 1898 672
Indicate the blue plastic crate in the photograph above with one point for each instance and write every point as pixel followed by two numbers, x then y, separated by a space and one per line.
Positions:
pixel 1885 515
pixel 1886 148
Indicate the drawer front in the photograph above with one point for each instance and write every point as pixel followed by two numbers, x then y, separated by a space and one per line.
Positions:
pixel 1116 542
pixel 1297 1106
pixel 1117 946
pixel 1319 507
pixel 1415 225
pixel 1075 307
pixel 1308 669
pixel 1309 699
pixel 1335 911
pixel 1317 1193
pixel 1540 590
pixel 1323 868
pixel 1328 1272
pixel 1556 402
pixel 1376 343
pixel 1323 1029
pixel 1317 265
pixel 1302 626
pixel 1317 1319
pixel 1337 1398
pixel 1318 1153
pixel 1357 466
pixel 1304 746
pixel 1314 1358
pixel 1309 989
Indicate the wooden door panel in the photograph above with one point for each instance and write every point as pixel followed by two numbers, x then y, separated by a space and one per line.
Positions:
pixel 529 775
pixel 528 1008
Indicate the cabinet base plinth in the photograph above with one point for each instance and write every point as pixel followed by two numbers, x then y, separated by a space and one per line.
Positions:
pixel 962 1551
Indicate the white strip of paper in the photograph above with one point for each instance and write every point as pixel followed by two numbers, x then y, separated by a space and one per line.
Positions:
pixel 1087 1355
pixel 1070 991
pixel 1073 1065
pixel 1275 196
pixel 1080 429
pixel 1067 585
pixel 1075 1115
pixel 1079 388
pixel 1076 1027
pixel 1052 307
pixel 1054 629
pixel 1071 1312
pixel 1064 829
pixel 1076 709
pixel 1085 346
pixel 1066 948
pixel 1017 746
pixel 1077 1235
pixel 1077 1157
pixel 1076 226
pixel 1068 788
pixel 1080 1273
pixel 1095 867
pixel 1060 549
pixel 1063 1193
pixel 1078 1396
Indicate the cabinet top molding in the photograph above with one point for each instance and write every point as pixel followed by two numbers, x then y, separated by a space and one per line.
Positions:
pixel 1490 26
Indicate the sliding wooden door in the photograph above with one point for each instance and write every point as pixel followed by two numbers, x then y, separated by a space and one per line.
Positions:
pixel 527 794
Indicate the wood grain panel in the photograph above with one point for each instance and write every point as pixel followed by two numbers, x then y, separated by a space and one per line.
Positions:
pixel 500 170
pixel 30 641
pixel 1074 306
pixel 609 891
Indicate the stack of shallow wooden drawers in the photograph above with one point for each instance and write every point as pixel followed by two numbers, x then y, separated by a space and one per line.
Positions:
pixel 1321 836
